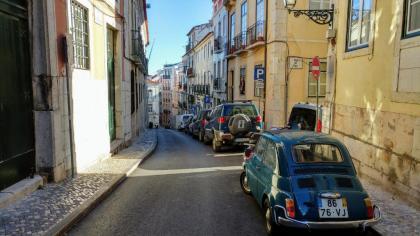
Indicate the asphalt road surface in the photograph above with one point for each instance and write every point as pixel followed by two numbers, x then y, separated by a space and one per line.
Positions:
pixel 183 189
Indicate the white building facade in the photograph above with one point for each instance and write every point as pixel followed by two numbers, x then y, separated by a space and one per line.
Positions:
pixel 219 20
pixel 153 100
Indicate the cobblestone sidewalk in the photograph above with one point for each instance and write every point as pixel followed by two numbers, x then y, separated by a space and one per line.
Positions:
pixel 398 218
pixel 48 210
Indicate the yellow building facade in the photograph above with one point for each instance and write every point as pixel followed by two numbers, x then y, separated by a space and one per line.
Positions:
pixel 203 53
pixel 374 93
pixel 291 44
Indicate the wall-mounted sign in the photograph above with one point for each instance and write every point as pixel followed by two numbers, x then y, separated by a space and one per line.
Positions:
pixel 295 63
pixel 259 84
pixel 99 16
pixel 259 73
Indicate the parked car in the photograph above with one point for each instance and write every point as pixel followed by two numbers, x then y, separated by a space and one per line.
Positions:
pixel 306 180
pixel 232 124
pixel 186 124
pixel 303 117
pixel 181 121
pixel 198 126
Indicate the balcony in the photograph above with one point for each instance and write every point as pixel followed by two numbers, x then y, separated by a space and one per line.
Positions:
pixel 137 50
pixel 253 37
pixel 255 34
pixel 238 44
pixel 218 44
pixel 190 72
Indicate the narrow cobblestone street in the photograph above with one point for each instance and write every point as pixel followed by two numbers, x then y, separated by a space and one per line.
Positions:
pixel 183 189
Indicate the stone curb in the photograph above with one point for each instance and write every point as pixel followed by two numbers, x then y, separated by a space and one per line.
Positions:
pixel 72 218
pixel 20 190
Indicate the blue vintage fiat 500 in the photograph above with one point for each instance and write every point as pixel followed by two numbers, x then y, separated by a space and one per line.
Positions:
pixel 306 180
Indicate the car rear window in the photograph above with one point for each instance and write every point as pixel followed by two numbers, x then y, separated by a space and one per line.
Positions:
pixel 248 110
pixel 305 117
pixel 316 153
pixel 186 118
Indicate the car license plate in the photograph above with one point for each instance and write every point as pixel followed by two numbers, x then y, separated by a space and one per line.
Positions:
pixel 241 140
pixel 333 208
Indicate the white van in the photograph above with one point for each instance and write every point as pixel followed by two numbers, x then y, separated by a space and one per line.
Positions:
pixel 181 120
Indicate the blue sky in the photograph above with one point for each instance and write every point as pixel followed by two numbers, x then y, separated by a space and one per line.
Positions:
pixel 169 22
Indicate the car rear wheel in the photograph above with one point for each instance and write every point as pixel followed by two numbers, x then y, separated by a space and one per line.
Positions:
pixel 270 226
pixel 244 183
pixel 216 146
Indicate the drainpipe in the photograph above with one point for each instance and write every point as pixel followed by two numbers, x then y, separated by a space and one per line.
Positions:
pixel 67 43
pixel 265 62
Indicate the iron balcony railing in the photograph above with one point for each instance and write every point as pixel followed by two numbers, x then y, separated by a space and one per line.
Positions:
pixel 137 49
pixel 239 42
pixel 255 33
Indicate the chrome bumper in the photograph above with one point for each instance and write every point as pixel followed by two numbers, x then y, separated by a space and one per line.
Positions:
pixel 287 221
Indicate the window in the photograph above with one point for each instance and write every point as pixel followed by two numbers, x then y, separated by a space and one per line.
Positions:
pixel 232 29
pixel 315 153
pixel 231 110
pixel 150 107
pixel 260 10
pixel 270 155
pixel 219 72
pixel 242 78
pixel 244 11
pixel 224 26
pixel 412 18
pixel 133 96
pixel 259 149
pixel 322 89
pixel 319 4
pixel 358 28
pixel 80 30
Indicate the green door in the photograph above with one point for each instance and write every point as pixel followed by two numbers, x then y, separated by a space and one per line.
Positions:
pixel 111 81
pixel 17 148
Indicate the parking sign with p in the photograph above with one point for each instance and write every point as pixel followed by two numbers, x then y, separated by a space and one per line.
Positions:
pixel 259 73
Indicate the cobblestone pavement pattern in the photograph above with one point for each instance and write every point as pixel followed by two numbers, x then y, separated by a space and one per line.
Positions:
pixel 38 212
pixel 398 218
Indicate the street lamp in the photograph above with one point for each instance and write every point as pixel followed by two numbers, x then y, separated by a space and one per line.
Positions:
pixel 321 16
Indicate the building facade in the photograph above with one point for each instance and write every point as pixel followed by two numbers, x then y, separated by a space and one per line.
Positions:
pixel 284 50
pixel 204 71
pixel 69 93
pixel 196 83
pixel 374 94
pixel 153 101
pixel 219 21
pixel 167 81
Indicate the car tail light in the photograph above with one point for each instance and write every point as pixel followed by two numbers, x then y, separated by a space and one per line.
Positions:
pixel 248 154
pixel 221 120
pixel 258 119
pixel 369 208
pixel 318 126
pixel 290 207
